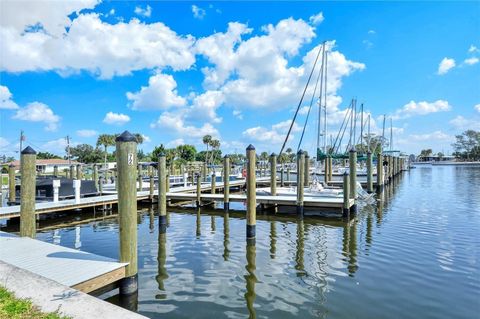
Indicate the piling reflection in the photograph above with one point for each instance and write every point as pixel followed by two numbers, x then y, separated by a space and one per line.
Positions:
pixel 212 224
pixel 300 251
pixel 199 224
pixel 368 236
pixel 350 246
pixel 151 225
pixel 162 270
pixel 250 279
pixel 226 236
pixel 273 239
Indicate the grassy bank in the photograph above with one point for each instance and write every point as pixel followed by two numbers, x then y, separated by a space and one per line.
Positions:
pixel 14 308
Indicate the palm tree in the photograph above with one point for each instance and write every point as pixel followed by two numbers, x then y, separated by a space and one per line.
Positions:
pixel 215 144
pixel 207 139
pixel 139 138
pixel 106 140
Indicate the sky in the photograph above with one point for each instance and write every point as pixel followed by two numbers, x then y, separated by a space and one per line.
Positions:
pixel 176 71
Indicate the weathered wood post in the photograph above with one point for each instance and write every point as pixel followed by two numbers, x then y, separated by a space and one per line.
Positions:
pixel 126 153
pixel 140 178
pixel 28 225
pixel 95 176
pixel 326 170
pixel 306 172
pixel 72 169
pixel 167 182
pixel 379 172
pixel 79 172
pixel 213 183
pixel 199 191
pixel 204 171
pixel 300 181
pixel 282 176
pixel 353 173
pixel 162 193
pixel 273 174
pixel 151 189
pixel 346 195
pixel 288 174
pixel 55 171
pixel 226 183
pixel 369 173
pixel 330 168
pixel 251 193
pixel 11 184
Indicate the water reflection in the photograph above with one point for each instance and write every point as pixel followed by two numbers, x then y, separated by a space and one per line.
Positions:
pixel 162 270
pixel 212 223
pixel 226 235
pixel 300 251
pixel 251 279
pixel 151 225
pixel 199 224
pixel 273 239
pixel 350 246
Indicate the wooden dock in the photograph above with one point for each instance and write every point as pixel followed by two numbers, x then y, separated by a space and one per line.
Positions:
pixel 76 269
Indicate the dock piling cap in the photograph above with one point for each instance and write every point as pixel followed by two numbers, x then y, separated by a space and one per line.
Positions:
pixel 273 154
pixel 300 152
pixel 250 147
pixel 29 151
pixel 126 137
pixel 226 156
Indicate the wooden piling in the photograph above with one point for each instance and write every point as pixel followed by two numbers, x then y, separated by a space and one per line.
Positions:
pixel 95 176
pixel 226 183
pixel 55 171
pixel 140 178
pixel 306 172
pixel 167 182
pixel 379 172
pixel 204 171
pixel 353 173
pixel 72 169
pixel 11 184
pixel 273 174
pixel 28 225
pixel 251 193
pixel 199 191
pixel 330 168
pixel 369 173
pixel 326 176
pixel 213 183
pixel 162 193
pixel 346 195
pixel 126 153
pixel 151 188
pixel 288 174
pixel 300 181
pixel 282 177
pixel 79 172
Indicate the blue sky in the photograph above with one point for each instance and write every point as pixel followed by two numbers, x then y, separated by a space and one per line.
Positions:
pixel 175 71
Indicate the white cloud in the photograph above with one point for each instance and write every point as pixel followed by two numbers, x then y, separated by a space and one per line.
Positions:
pixel 477 107
pixel 95 46
pixel 421 108
pixel 238 114
pixel 56 146
pixel 473 49
pixel 116 118
pixel 6 101
pixel 445 65
pixel 198 13
pixel 275 135
pixel 3 143
pixel 317 18
pixel 146 139
pixel 144 12
pixel 38 112
pixel 175 143
pixel 462 123
pixel 204 107
pixel 161 93
pixel 174 122
pixel 304 110
pixel 431 137
pixel 87 133
pixel 371 32
pixel 471 61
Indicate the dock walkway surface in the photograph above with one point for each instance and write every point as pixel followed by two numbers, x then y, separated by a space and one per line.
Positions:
pixel 50 207
pixel 76 269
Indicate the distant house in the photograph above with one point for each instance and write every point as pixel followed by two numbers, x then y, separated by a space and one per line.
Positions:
pixel 435 158
pixel 47 165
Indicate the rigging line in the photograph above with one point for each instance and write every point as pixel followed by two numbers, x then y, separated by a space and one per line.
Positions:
pixel 368 138
pixel 341 127
pixel 300 103
pixel 361 125
pixel 309 109
pixel 320 100
pixel 344 129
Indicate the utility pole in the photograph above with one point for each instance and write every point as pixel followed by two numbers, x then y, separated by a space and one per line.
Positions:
pixel 22 138
pixel 68 149
pixel 383 130
pixel 391 135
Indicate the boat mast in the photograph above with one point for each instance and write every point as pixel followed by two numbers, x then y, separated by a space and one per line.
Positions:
pixel 319 129
pixel 391 135
pixel 325 105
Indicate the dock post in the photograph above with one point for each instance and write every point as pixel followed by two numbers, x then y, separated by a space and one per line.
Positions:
pixel 300 181
pixel 273 174
pixel 226 183
pixel 167 182
pixel 288 174
pixel 353 173
pixel 126 153
pixel 151 187
pixel 56 186
pixel 55 171
pixel 306 172
pixel 326 175
pixel 28 225
pixel 199 191
pixel 72 168
pixel 204 171
pixel 77 184
pixel 282 177
pixel 140 179
pixel 95 176
pixel 213 183
pixel 379 172
pixel 251 194
pixel 346 195
pixel 162 193
pixel 369 173
pixel 79 172
pixel 330 168
pixel 11 184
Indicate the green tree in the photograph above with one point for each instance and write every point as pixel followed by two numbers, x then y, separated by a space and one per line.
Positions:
pixel 186 152
pixel 426 152
pixel 85 153
pixel 263 156
pixel 207 139
pixel 467 145
pixel 215 144
pixel 47 155
pixel 106 140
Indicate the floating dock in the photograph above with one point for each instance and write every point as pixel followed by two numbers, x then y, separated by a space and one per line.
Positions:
pixel 76 269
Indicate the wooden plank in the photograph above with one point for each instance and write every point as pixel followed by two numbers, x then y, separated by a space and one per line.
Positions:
pixel 100 281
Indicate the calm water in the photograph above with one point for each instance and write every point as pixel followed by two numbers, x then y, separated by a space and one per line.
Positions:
pixel 414 256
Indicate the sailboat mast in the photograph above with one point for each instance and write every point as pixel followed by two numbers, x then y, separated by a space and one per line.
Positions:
pixel 319 129
pixel 325 105
pixel 368 134
pixel 361 126
pixel 391 135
